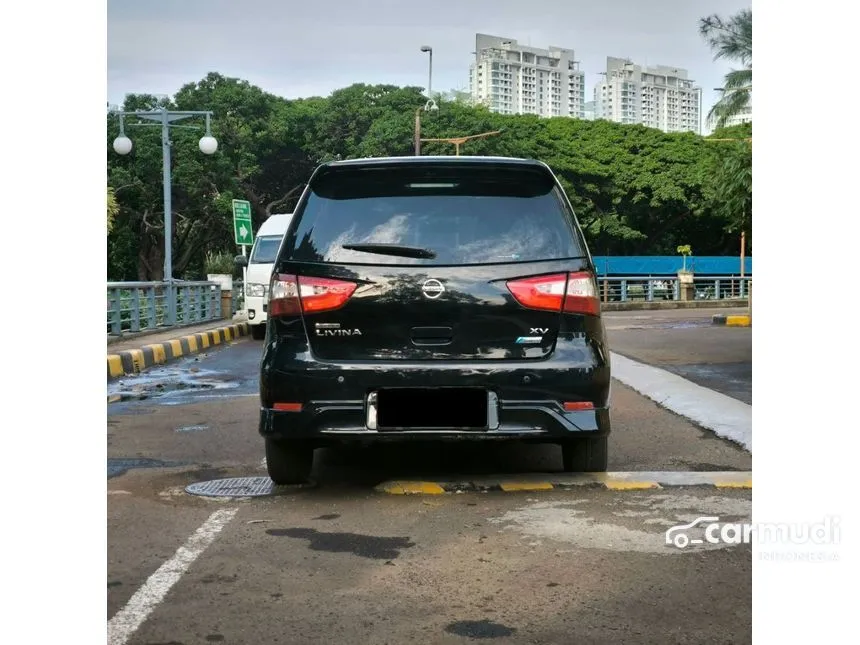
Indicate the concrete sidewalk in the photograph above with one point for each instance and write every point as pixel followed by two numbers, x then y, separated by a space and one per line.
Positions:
pixel 136 354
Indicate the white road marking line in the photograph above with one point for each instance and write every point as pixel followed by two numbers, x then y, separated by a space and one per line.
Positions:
pixel 128 619
pixel 725 416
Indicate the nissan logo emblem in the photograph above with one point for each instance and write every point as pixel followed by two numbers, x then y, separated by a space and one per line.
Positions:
pixel 432 288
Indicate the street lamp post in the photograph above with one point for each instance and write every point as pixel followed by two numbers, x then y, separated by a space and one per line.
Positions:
pixel 430 105
pixel 427 49
pixel 208 145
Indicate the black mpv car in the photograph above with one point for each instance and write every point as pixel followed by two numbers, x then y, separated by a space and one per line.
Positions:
pixel 441 298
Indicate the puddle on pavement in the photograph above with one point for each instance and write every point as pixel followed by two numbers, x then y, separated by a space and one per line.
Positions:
pixel 194 428
pixel 365 546
pixel 479 629
pixel 679 324
pixel 169 382
pixel 689 324
pixel 117 467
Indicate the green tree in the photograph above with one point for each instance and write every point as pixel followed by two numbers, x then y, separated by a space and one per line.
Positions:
pixel 731 39
pixel 635 190
pixel 112 208
pixel 256 160
pixel 730 164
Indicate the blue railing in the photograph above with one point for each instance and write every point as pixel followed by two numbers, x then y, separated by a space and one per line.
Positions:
pixel 134 307
pixel 638 288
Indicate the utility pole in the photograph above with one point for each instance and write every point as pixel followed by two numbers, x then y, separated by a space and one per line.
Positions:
pixel 430 105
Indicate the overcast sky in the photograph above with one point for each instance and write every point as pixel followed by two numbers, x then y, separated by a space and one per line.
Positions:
pixel 299 48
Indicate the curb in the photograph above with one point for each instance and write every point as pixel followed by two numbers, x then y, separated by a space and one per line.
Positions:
pixel 134 361
pixel 618 481
pixel 732 321
pixel 644 305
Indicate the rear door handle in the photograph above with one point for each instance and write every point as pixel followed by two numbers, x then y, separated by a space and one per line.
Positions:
pixel 432 335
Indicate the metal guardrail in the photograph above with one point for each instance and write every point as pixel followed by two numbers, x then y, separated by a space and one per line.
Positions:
pixel 649 289
pixel 238 296
pixel 134 307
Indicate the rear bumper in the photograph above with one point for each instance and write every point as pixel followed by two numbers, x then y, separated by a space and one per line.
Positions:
pixel 527 398
pixel 335 421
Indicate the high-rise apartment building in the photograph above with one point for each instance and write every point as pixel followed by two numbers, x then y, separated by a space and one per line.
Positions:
pixel 737 119
pixel 588 110
pixel 511 78
pixel 659 97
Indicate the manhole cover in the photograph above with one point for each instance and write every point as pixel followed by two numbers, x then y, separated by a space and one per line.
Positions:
pixel 241 487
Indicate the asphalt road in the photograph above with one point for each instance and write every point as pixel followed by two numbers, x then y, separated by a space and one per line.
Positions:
pixel 686 343
pixel 340 562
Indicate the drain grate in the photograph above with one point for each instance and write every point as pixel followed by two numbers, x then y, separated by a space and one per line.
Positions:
pixel 241 487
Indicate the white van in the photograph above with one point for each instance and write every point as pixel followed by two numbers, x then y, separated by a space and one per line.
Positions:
pixel 259 270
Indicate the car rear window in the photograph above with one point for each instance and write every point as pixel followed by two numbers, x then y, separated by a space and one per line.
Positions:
pixel 464 215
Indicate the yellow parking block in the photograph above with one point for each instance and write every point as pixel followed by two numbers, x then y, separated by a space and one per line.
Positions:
pixel 510 487
pixel 192 343
pixel 738 321
pixel 176 346
pixel 622 484
pixel 411 488
pixel 734 484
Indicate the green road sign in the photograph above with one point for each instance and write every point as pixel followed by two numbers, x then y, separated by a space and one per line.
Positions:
pixel 242 231
pixel 242 228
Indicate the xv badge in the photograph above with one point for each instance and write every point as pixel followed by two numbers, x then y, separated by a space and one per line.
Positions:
pixel 539 330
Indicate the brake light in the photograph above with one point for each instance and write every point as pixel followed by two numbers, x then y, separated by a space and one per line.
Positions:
pixel 581 297
pixel 291 295
pixel 570 292
pixel 575 406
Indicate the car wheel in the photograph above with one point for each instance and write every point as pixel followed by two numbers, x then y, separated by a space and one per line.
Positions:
pixel 258 332
pixel 585 455
pixel 288 462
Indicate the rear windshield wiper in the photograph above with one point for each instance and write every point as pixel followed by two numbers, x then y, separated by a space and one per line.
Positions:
pixel 393 249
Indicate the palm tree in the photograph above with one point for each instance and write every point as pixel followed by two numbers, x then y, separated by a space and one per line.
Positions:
pixel 731 39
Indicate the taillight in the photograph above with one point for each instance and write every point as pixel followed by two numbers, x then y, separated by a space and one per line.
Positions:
pixel 570 292
pixel 288 407
pixel 543 292
pixel 290 295
pixel 575 406
pixel 581 297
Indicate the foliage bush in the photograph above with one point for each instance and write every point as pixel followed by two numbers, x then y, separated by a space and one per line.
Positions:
pixel 635 190
pixel 219 262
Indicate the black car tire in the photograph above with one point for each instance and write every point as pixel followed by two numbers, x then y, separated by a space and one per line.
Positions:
pixel 258 332
pixel 288 462
pixel 585 455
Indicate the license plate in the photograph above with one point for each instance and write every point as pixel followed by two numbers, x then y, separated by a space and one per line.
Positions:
pixel 440 409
